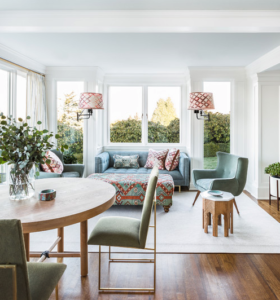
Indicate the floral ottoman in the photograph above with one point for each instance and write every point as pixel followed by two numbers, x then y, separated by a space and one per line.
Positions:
pixel 131 188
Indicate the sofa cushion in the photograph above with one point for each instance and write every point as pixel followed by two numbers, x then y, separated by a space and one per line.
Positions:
pixel 205 183
pixel 156 159
pixel 70 174
pixel 172 159
pixel 130 161
pixel 176 175
pixel 55 166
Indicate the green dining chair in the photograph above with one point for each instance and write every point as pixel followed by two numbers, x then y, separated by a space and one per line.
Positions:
pixel 229 176
pixel 129 233
pixel 21 280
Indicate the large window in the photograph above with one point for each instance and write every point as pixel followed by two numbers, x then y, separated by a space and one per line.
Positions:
pixel 21 97
pixel 125 114
pixel 144 114
pixel 71 130
pixel 217 130
pixel 4 91
pixel 164 106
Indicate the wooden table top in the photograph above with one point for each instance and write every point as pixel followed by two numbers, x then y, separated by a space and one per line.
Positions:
pixel 77 200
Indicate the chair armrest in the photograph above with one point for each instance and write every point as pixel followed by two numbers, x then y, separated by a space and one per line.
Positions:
pixel 44 175
pixel 225 184
pixel 102 162
pixel 203 174
pixel 184 167
pixel 74 168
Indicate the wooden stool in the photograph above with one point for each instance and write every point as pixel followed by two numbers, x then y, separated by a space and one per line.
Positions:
pixel 217 206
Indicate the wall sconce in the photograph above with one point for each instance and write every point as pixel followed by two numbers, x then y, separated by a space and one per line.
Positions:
pixel 200 101
pixel 89 101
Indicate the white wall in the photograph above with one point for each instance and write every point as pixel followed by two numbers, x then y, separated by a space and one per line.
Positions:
pixel 262 136
pixel 93 79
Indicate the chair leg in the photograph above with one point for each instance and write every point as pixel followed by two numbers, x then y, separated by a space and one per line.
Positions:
pixel 56 292
pixel 235 205
pixel 197 195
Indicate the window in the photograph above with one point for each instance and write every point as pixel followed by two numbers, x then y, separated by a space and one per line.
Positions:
pixel 144 114
pixel 21 97
pixel 217 130
pixel 4 91
pixel 71 130
pixel 164 114
pixel 125 114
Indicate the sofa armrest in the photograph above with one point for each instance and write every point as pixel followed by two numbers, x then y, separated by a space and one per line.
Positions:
pixel 184 167
pixel 74 168
pixel 102 162
pixel 225 184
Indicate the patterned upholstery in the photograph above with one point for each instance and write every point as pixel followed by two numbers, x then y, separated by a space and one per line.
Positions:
pixel 131 188
pixel 172 159
pixel 130 161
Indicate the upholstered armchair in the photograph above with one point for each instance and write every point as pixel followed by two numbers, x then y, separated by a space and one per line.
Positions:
pixel 69 170
pixel 229 176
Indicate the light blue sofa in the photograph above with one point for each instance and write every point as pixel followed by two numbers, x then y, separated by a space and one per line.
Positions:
pixel 104 163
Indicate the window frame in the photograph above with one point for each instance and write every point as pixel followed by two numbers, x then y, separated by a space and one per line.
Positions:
pixel 144 115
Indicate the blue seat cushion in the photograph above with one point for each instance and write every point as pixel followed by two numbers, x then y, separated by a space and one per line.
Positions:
pixel 205 183
pixel 70 174
pixel 176 175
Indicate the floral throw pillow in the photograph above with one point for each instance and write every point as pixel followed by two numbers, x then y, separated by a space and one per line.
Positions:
pixel 172 159
pixel 126 161
pixel 156 159
pixel 56 165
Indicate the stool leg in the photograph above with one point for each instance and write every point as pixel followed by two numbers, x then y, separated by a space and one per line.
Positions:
pixel 226 224
pixel 205 222
pixel 209 218
pixel 202 218
pixel 215 225
pixel 231 222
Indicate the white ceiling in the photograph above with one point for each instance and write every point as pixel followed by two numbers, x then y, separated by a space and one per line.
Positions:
pixel 142 52
pixel 140 4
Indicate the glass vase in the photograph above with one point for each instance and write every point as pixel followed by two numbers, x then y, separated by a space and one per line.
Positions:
pixel 21 180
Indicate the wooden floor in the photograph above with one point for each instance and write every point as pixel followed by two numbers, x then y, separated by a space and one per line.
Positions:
pixel 182 276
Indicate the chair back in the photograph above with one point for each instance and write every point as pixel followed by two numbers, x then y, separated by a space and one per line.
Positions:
pixel 233 166
pixel 147 207
pixel 12 252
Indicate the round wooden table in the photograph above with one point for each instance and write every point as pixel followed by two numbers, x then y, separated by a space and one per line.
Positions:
pixel 77 200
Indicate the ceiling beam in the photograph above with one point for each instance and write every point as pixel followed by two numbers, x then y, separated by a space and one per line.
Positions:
pixel 140 21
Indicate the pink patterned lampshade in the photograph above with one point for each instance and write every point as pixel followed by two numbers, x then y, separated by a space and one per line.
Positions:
pixel 91 101
pixel 201 101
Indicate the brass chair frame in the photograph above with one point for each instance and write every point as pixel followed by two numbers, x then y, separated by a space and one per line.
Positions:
pixel 132 260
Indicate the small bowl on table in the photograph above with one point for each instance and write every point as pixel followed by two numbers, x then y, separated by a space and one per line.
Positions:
pixel 47 195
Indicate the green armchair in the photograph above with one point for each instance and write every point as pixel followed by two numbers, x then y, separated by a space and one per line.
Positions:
pixel 19 279
pixel 69 170
pixel 229 176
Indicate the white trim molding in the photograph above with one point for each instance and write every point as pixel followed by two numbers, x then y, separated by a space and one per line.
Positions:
pixel 140 21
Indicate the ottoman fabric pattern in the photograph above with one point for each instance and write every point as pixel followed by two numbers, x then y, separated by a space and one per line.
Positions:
pixel 131 188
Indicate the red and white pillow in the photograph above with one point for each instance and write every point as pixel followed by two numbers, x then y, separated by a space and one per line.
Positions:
pixel 156 159
pixel 56 165
pixel 172 159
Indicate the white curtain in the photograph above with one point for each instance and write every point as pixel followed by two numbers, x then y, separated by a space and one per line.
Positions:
pixel 36 100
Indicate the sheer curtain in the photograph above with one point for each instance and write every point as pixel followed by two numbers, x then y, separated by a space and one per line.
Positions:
pixel 36 100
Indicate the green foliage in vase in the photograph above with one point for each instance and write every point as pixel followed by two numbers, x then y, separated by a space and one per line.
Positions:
pixel 273 169
pixel 23 145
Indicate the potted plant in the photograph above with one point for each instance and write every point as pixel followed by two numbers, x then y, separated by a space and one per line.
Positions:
pixel 274 172
pixel 70 158
pixel 23 148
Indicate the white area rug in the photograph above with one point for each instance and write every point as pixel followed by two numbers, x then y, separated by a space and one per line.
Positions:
pixel 180 230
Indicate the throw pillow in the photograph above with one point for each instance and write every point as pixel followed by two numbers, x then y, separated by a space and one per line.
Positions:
pixel 156 159
pixel 56 165
pixel 172 159
pixel 126 161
